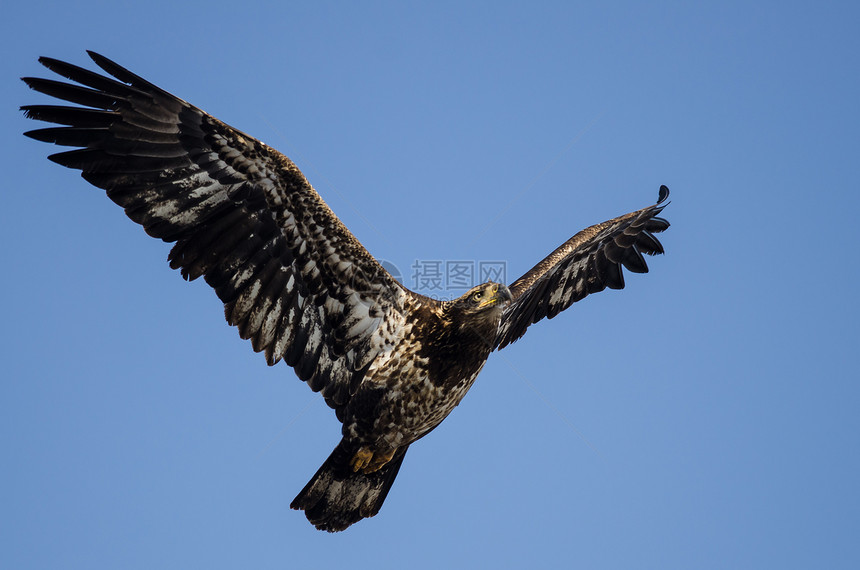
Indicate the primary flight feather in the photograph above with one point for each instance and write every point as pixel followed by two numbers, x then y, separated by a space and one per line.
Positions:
pixel 297 284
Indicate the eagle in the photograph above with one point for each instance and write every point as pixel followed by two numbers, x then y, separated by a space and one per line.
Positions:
pixel 295 281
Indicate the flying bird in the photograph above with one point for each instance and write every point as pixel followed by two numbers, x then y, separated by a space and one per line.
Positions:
pixel 391 363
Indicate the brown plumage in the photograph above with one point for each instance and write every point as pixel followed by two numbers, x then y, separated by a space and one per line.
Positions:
pixel 299 285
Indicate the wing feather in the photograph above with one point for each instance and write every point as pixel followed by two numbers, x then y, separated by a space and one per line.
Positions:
pixel 292 278
pixel 589 262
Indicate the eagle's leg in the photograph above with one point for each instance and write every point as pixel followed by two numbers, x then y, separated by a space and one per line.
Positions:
pixel 361 459
pixel 379 460
pixel 368 461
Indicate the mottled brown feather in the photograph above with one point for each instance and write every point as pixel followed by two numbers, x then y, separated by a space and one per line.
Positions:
pixel 586 263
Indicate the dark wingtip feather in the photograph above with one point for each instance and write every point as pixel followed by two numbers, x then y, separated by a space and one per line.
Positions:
pixel 663 194
pixel 124 74
pixel 633 260
pixel 647 243
pixel 38 134
pixel 50 61
pixel 657 225
pixel 64 69
pixel 72 93
pixel 105 63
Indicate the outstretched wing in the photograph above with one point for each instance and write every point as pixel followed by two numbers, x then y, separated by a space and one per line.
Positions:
pixel 587 263
pixel 293 279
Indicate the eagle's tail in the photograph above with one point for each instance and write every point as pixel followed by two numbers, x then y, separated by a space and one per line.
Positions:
pixel 337 497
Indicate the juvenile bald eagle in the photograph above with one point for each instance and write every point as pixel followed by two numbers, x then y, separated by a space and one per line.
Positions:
pixel 297 283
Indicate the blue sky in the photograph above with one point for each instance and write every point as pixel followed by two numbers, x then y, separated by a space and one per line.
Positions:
pixel 704 417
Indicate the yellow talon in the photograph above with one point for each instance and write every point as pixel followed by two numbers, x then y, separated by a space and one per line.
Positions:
pixel 367 461
pixel 361 459
pixel 379 461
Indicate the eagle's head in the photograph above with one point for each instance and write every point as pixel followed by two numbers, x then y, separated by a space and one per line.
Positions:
pixel 478 312
pixel 487 297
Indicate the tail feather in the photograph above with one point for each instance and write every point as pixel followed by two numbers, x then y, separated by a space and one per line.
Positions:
pixel 337 497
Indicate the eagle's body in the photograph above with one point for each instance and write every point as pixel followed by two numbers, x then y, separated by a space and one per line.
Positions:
pixel 299 285
pixel 441 361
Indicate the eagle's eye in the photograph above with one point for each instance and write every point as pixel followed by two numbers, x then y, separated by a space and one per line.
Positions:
pixel 476 296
